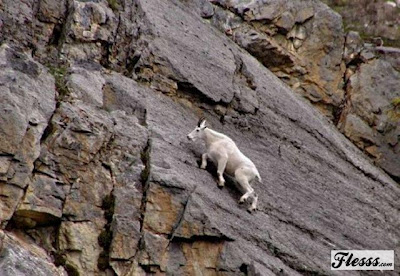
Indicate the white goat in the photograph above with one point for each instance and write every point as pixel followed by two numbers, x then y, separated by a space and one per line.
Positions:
pixel 228 158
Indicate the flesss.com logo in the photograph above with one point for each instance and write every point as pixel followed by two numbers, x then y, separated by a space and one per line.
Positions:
pixel 362 260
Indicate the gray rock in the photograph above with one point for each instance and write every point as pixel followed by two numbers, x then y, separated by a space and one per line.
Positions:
pixel 78 241
pixel 379 18
pixel 86 86
pixel 115 153
pixel 367 55
pixel 286 21
pixel 304 14
pixel 207 10
pixel 298 32
pixel 93 24
pixel 28 101
pixel 20 257
pixel 353 46
pixel 33 26
pixel 51 11
pixel 42 202
pixel 300 41
pixel 372 89
pixel 171 54
pixel 391 55
pixel 358 130
pixel 125 240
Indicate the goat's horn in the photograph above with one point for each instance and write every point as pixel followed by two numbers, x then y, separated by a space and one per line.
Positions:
pixel 200 121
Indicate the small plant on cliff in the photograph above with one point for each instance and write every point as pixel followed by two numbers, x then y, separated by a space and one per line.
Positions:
pixel 394 109
pixel 59 74
pixel 59 260
pixel 396 102
pixel 113 4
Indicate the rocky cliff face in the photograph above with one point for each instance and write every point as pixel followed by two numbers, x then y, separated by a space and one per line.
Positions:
pixel 302 42
pixel 97 176
pixel 372 19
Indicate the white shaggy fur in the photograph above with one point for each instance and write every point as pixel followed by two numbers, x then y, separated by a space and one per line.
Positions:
pixel 228 158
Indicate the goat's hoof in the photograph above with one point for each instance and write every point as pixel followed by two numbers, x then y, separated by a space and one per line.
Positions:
pixel 203 167
pixel 242 200
pixel 251 210
pixel 221 185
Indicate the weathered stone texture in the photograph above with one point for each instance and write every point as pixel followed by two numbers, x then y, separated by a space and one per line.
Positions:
pixel 27 103
pixel 300 41
pixel 370 119
pixel 20 257
pixel 96 170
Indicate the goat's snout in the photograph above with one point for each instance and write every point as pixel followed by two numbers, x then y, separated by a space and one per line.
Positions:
pixel 189 138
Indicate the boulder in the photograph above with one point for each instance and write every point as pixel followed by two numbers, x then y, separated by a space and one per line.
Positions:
pixel 370 119
pixel 20 257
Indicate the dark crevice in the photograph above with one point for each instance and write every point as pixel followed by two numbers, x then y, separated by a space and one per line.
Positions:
pixel 56 35
pixel 194 238
pixel 242 72
pixel 394 177
pixel 150 268
pixel 106 54
pixel 108 205
pixel 105 237
pixel 49 130
pixel 189 91
pixel 244 269
pixel 131 63
pixel 337 112
pixel 60 260
pixel 145 177
pixel 31 219
pixel 180 220
pixel 142 117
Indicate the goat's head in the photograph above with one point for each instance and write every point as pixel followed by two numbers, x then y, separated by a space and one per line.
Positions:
pixel 198 132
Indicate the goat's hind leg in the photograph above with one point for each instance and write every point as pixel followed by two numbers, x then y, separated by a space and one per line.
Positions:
pixel 241 178
pixel 244 197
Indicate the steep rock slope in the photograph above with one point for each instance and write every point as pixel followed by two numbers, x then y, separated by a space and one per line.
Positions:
pixel 113 185
pixel 302 42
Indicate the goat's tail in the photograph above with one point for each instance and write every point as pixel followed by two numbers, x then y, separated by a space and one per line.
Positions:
pixel 258 176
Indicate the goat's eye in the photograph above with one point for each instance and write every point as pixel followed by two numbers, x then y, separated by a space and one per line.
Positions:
pixel 197 130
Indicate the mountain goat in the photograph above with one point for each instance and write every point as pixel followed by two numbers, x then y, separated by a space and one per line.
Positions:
pixel 228 158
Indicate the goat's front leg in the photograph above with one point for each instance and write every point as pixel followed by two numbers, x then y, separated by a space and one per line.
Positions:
pixel 204 157
pixel 253 206
pixel 220 171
